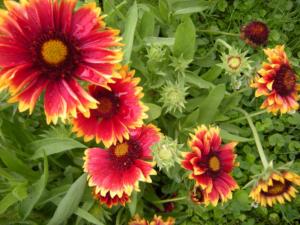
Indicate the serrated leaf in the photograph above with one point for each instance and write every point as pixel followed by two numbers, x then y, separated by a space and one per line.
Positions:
pixel 69 204
pixel 35 193
pixel 128 36
pixel 51 146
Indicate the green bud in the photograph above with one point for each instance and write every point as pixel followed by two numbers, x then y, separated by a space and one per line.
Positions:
pixel 274 218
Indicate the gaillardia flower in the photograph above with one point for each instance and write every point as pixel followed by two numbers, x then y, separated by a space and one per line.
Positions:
pixel 255 33
pixel 197 195
pixel 277 81
pixel 211 164
pixel 119 110
pixel 111 201
pixel 277 188
pixel 119 169
pixel 157 220
pixel 48 45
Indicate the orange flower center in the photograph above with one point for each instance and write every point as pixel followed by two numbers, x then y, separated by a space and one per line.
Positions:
pixel 277 188
pixel 234 62
pixel 54 51
pixel 214 163
pixel 284 81
pixel 105 105
pixel 121 150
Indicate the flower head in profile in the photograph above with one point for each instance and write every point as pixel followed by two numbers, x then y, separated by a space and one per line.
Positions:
pixel 278 82
pixel 157 220
pixel 211 164
pixel 48 45
pixel 119 110
pixel 255 33
pixel 110 201
pixel 278 187
pixel 119 169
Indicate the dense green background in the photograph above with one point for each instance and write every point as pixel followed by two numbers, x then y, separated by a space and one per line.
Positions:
pixel 41 179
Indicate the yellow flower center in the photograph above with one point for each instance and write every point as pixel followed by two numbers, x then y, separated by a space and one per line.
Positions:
pixel 54 51
pixel 105 105
pixel 214 163
pixel 121 150
pixel 234 62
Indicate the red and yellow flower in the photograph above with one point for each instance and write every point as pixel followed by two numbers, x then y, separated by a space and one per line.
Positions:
pixel 211 164
pixel 48 45
pixel 157 220
pixel 120 109
pixel 255 33
pixel 277 188
pixel 277 81
pixel 119 169
pixel 111 201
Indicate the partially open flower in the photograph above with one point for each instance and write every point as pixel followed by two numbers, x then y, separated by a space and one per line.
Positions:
pixel 111 201
pixel 157 220
pixel 278 82
pixel 173 96
pixel 119 169
pixel 211 164
pixel 255 33
pixel 277 188
pixel 197 195
pixel 137 220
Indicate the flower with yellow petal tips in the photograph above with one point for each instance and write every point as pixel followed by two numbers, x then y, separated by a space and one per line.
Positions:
pixel 120 109
pixel 211 164
pixel 278 82
pixel 157 220
pixel 277 188
pixel 111 201
pixel 119 169
pixel 48 46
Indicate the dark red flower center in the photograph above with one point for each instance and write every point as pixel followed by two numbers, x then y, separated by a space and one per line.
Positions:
pixel 55 55
pixel 257 32
pixel 108 104
pixel 277 188
pixel 284 81
pixel 124 154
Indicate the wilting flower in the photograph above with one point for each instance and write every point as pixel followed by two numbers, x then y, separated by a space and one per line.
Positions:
pixel 277 81
pixel 173 96
pixel 157 220
pixel 255 33
pixel 197 195
pixel 277 188
pixel 120 109
pixel 211 164
pixel 111 201
pixel 48 45
pixel 165 153
pixel 119 169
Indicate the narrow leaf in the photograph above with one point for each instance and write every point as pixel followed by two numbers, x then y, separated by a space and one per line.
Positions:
pixel 69 204
pixel 87 216
pixel 7 201
pixel 154 111
pixel 128 36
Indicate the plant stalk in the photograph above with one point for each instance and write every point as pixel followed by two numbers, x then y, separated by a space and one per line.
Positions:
pixel 170 200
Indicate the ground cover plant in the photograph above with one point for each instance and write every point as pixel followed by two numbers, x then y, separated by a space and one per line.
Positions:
pixel 149 112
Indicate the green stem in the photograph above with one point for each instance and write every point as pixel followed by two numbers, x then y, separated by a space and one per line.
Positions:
pixel 256 138
pixel 224 43
pixel 219 32
pixel 251 115
pixel 170 200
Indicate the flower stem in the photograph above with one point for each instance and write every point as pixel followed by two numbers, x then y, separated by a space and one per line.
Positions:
pixel 256 138
pixel 170 200
pixel 219 32
pixel 251 115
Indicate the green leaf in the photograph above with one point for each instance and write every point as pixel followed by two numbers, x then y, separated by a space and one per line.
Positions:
pixel 232 137
pixel 154 111
pixel 7 201
pixel 185 38
pixel 160 41
pixel 147 25
pixel 209 106
pixel 212 73
pixel 87 216
pixel 128 36
pixel 52 146
pixel 15 164
pixel 133 203
pixel 35 192
pixel 197 81
pixel 69 204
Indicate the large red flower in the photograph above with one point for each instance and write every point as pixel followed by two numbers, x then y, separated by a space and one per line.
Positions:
pixel 211 164
pixel 48 45
pixel 278 82
pixel 119 169
pixel 120 109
